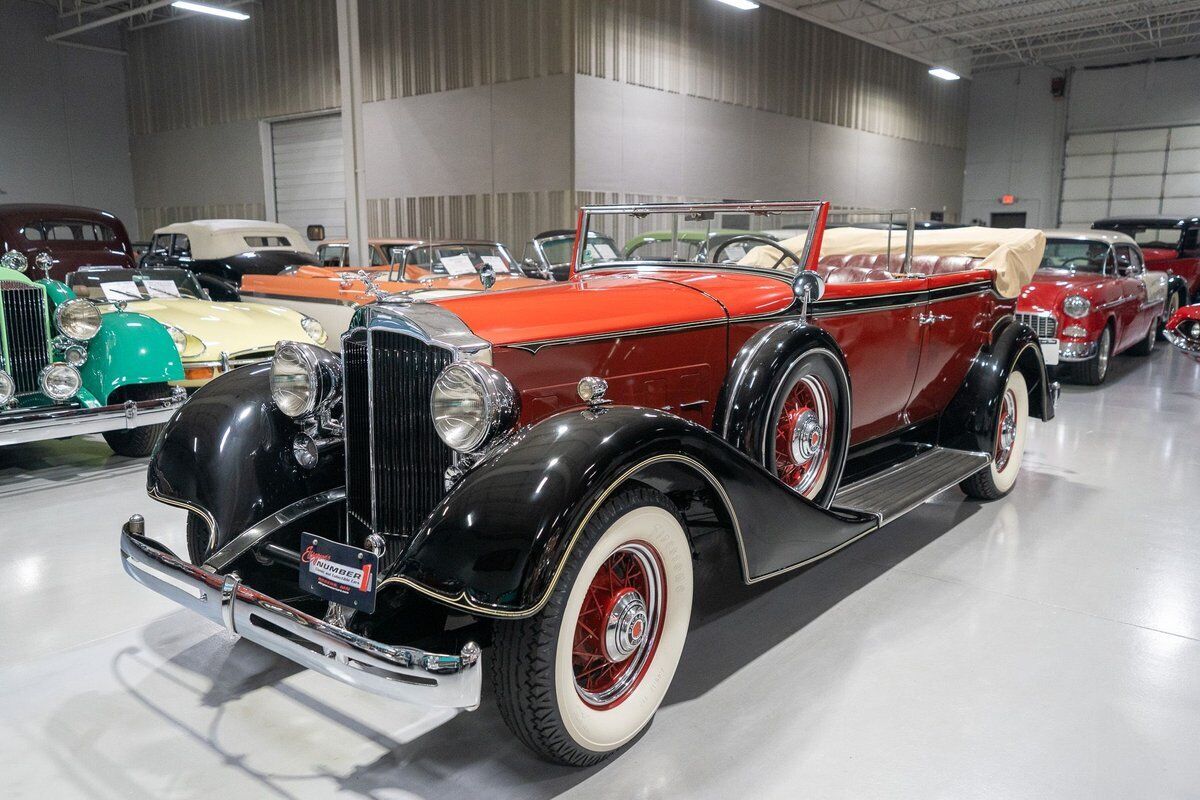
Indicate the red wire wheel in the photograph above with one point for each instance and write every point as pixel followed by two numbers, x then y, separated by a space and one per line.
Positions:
pixel 618 626
pixel 804 435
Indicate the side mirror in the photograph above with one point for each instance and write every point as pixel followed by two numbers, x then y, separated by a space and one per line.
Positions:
pixel 315 233
pixel 808 287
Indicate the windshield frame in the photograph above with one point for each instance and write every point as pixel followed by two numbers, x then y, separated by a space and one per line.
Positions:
pixel 138 277
pixel 1108 268
pixel 816 210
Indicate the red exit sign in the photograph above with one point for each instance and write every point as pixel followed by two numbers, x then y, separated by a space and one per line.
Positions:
pixel 1007 199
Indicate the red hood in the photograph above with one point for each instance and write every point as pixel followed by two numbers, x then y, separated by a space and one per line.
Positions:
pixel 1048 288
pixel 1159 254
pixel 588 306
pixel 1185 313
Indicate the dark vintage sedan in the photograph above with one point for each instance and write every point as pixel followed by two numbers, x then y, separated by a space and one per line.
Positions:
pixel 539 469
pixel 74 236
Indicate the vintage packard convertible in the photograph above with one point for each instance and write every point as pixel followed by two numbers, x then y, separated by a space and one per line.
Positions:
pixel 68 370
pixel 1092 297
pixel 538 469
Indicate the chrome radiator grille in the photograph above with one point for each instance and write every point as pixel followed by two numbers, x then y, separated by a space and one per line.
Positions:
pixel 1044 325
pixel 395 462
pixel 26 340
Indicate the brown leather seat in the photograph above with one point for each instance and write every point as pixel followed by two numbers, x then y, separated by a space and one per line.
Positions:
pixel 879 266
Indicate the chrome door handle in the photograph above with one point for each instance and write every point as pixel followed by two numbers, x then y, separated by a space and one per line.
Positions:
pixel 929 319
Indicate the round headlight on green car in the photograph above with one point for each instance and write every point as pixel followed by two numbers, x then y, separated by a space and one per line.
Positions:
pixel 8 388
pixel 315 330
pixel 78 319
pixel 14 261
pixel 471 404
pixel 304 378
pixel 60 381
pixel 1077 306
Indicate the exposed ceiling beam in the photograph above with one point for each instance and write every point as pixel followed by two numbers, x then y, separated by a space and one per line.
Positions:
pixel 110 19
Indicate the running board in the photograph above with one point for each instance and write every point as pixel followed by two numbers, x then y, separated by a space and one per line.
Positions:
pixel 899 489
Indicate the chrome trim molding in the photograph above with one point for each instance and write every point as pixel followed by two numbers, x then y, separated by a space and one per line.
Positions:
pixel 395 671
pixel 247 539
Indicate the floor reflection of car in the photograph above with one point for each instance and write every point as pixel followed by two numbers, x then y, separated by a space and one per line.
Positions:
pixel 691 245
pixel 548 254
pixel 424 271
pixel 222 251
pixel 211 337
pixel 1092 298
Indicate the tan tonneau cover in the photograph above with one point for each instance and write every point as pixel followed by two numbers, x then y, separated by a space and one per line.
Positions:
pixel 1012 254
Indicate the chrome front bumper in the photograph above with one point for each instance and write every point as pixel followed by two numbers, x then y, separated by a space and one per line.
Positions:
pixel 401 673
pixel 1189 346
pixel 55 422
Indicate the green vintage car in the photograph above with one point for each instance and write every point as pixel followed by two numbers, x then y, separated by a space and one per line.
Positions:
pixel 67 370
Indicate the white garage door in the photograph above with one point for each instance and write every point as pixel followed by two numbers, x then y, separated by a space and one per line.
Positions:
pixel 310 188
pixel 1153 171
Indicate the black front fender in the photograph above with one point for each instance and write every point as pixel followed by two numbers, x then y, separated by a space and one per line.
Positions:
pixel 969 422
pixel 227 455
pixel 496 544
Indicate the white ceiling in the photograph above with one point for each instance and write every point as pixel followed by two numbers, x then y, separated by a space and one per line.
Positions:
pixel 977 35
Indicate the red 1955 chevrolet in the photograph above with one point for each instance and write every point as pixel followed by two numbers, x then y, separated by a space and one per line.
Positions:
pixel 539 469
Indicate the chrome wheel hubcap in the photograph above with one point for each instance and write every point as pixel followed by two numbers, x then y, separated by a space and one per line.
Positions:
pixel 625 628
pixel 1006 433
pixel 802 435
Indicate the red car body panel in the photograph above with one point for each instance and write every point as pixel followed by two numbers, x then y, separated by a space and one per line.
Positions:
pixel 1185 337
pixel 1186 267
pixel 69 254
pixel 1115 299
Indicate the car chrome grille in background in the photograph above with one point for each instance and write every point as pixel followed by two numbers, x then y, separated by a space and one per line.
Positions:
pixel 23 312
pixel 1044 325
pixel 395 462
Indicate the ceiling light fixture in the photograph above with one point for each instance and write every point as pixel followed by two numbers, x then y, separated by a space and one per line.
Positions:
pixel 944 74
pixel 741 5
pixel 204 8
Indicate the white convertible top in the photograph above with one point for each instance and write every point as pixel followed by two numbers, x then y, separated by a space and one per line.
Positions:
pixel 221 238
pixel 1013 254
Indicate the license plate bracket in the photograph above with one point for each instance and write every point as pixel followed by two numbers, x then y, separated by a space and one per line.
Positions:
pixel 338 572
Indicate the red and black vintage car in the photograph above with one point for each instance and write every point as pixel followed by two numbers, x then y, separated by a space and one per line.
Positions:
pixel 538 469
pixel 75 237
pixel 1170 244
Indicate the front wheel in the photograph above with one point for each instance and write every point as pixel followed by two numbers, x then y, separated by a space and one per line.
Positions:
pixel 1168 312
pixel 1008 446
pixel 585 675
pixel 1095 369
pixel 138 442
pixel 802 445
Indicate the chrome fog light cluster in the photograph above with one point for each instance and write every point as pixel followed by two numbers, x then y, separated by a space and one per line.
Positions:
pixel 471 404
pixel 78 319
pixel 304 379
pixel 8 389
pixel 1074 330
pixel 60 381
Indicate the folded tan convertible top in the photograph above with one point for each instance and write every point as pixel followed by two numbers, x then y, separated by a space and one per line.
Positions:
pixel 1013 254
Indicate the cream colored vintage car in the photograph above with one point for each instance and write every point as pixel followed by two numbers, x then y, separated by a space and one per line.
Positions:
pixel 212 337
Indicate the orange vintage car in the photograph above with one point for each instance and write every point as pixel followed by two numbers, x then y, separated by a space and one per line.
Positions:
pixel 423 270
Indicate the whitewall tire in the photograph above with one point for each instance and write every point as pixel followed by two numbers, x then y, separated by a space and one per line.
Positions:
pixel 584 676
pixel 1008 445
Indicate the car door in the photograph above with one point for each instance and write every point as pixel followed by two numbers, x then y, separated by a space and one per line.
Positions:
pixel 1131 303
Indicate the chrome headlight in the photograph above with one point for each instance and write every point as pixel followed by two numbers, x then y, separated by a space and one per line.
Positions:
pixel 78 319
pixel 304 378
pixel 1077 306
pixel 60 381
pixel 14 261
pixel 472 403
pixel 315 330
pixel 8 389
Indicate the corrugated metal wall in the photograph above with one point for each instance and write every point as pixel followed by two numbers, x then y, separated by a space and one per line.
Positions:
pixel 150 218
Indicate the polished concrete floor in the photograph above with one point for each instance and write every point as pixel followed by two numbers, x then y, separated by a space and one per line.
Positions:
pixel 1047 645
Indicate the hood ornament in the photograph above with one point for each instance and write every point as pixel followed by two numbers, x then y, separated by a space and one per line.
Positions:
pixel 44 263
pixel 487 276
pixel 371 287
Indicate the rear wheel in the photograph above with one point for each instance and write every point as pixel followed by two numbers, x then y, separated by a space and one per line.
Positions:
pixel 1168 312
pixel 138 442
pixel 1095 369
pixel 802 446
pixel 1008 447
pixel 584 676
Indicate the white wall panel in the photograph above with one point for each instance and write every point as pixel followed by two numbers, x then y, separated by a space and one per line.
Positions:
pixel 1141 141
pixel 1182 160
pixel 1182 184
pixel 1083 211
pixel 1145 187
pixel 1150 163
pixel 1089 166
pixel 1085 188
pixel 310 182
pixel 1091 143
